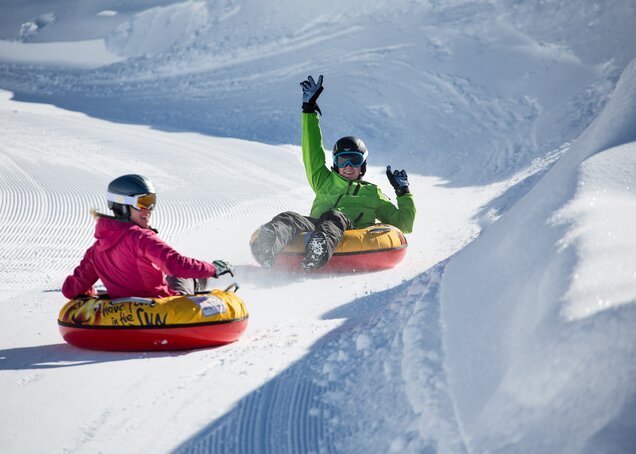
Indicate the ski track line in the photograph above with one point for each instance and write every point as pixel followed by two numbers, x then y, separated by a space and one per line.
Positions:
pixel 179 215
pixel 422 361
pixel 275 419
pixel 43 224
pixel 46 223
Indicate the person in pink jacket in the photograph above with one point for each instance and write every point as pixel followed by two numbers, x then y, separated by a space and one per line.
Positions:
pixel 129 257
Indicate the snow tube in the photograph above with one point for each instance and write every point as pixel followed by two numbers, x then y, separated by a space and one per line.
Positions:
pixel 181 322
pixel 374 248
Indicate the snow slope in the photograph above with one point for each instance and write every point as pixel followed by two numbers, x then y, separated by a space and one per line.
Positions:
pixel 545 324
pixel 470 91
pixel 82 54
pixel 56 165
pixel 508 327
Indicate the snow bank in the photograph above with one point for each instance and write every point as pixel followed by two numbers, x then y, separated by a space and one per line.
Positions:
pixel 157 29
pixel 539 311
pixel 77 54
pixel 602 221
pixel 31 28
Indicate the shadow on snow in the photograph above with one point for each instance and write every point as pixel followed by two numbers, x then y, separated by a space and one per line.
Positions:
pixel 338 398
pixel 63 355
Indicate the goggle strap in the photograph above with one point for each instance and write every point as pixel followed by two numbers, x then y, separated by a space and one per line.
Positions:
pixel 124 199
pixel 364 155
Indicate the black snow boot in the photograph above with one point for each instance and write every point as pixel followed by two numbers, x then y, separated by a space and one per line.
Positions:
pixel 316 252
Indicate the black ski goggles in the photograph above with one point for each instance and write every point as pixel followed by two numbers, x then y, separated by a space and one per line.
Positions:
pixel 348 158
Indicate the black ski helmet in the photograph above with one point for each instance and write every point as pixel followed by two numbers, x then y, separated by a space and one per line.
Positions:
pixel 351 143
pixel 127 185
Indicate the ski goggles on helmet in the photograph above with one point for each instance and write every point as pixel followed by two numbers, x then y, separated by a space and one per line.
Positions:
pixel 348 158
pixel 138 202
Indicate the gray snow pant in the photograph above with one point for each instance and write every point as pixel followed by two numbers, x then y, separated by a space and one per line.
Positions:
pixel 286 225
pixel 185 285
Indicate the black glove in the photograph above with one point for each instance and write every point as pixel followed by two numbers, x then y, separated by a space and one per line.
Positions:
pixel 223 267
pixel 399 180
pixel 311 91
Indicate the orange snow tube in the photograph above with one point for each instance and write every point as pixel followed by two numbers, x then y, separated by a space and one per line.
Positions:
pixel 142 324
pixel 378 247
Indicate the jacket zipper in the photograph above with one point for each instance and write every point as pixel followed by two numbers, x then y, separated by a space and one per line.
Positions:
pixel 355 192
pixel 341 196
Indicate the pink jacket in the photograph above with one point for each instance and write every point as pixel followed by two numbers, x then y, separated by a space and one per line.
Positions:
pixel 131 261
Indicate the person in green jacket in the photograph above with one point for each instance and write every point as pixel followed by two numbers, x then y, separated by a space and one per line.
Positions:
pixel 343 200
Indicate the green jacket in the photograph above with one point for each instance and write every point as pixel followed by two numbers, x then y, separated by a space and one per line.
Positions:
pixel 361 201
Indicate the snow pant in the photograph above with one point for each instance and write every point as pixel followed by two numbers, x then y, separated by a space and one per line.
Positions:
pixel 287 225
pixel 186 285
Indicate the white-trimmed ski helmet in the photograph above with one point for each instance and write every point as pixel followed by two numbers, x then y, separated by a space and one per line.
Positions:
pixel 128 191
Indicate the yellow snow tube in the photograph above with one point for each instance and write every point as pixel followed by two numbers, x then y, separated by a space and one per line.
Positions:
pixel 376 247
pixel 176 322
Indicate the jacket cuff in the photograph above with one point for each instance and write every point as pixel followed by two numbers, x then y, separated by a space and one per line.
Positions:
pixel 311 108
pixel 402 191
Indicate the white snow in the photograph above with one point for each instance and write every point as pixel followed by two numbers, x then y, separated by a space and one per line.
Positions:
pixel 107 12
pixel 603 233
pixel 79 54
pixel 509 327
pixel 539 335
pixel 158 29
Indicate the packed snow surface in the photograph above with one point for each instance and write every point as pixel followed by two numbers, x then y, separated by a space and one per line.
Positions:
pixel 509 327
